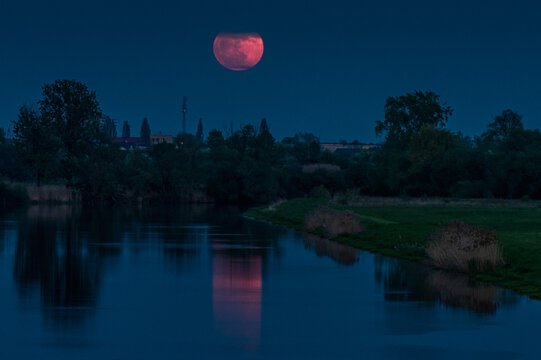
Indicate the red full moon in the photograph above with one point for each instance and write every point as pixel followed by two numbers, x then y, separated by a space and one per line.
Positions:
pixel 238 51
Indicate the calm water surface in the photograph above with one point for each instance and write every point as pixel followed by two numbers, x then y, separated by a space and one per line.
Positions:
pixel 203 282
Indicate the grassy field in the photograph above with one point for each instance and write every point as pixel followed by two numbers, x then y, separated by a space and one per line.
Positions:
pixel 401 230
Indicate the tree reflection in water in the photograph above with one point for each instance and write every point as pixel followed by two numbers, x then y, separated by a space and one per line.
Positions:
pixel 406 281
pixel 54 256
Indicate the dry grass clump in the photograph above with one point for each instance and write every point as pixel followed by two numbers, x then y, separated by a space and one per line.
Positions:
pixel 52 193
pixel 274 205
pixel 333 222
pixel 465 248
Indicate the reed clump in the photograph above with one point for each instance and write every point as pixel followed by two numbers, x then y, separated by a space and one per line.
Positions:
pixel 274 205
pixel 58 194
pixel 333 222
pixel 470 249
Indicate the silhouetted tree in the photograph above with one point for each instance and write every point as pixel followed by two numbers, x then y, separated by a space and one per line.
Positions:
pixel 405 115
pixel 265 140
pixel 503 125
pixel 11 166
pixel 304 147
pixel 426 151
pixel 199 133
pixel 109 127
pixel 263 127
pixel 75 115
pixel 145 132
pixel 36 142
pixel 184 141
pixel 126 130
pixel 215 139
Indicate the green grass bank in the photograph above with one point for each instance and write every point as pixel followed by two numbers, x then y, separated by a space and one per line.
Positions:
pixel 401 229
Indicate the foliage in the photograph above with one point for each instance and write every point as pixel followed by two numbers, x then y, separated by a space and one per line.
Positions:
pixel 12 194
pixel 72 114
pixel 145 132
pixel 405 115
pixel 199 133
pixel 503 125
pixel 109 127
pixel 11 168
pixel 126 130
pixel 37 144
pixel 68 141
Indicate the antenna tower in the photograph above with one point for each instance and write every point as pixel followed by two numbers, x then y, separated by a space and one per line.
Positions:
pixel 184 114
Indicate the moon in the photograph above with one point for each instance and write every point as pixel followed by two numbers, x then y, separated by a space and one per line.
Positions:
pixel 238 51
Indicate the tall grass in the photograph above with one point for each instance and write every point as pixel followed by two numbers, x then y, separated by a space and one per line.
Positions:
pixel 274 205
pixel 52 194
pixel 457 246
pixel 332 222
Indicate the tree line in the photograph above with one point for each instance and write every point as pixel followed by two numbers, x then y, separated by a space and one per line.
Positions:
pixel 66 139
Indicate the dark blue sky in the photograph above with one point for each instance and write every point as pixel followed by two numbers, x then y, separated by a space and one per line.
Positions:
pixel 328 66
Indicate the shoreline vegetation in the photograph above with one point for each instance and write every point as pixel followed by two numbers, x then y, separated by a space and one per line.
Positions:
pixel 20 194
pixel 66 139
pixel 405 228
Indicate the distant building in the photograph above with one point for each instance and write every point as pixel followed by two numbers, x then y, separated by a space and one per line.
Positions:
pixel 348 148
pixel 158 139
pixel 341 148
pixel 130 143
pixel 372 146
pixel 136 143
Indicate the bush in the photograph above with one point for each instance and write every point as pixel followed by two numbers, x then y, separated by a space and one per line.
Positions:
pixel 465 248
pixel 275 204
pixel 12 194
pixel 320 192
pixel 333 222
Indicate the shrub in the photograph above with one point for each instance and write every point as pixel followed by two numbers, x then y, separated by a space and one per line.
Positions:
pixel 465 248
pixel 51 194
pixel 274 205
pixel 333 222
pixel 12 194
pixel 320 192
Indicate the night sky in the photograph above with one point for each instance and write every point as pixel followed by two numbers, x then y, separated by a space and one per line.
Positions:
pixel 327 68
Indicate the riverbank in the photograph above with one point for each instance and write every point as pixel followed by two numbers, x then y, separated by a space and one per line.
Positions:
pixel 21 193
pixel 400 228
pixel 12 193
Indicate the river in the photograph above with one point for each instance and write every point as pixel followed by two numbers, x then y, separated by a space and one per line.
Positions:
pixel 200 282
